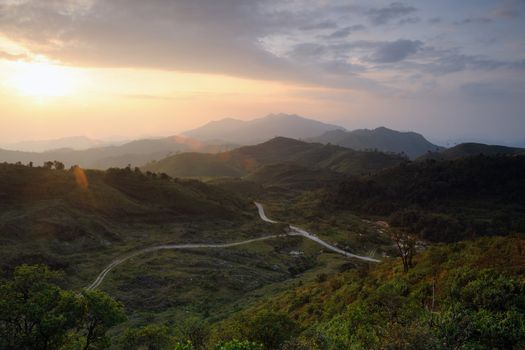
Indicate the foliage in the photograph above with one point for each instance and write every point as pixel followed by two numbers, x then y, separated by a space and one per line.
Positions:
pixel 149 337
pixel 442 201
pixel 467 295
pixel 37 314
pixel 194 330
pixel 238 345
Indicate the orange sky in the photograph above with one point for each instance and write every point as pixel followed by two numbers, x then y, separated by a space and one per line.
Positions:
pixel 138 68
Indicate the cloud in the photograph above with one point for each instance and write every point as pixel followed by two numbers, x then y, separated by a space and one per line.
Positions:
pixel 395 51
pixel 328 24
pixel 509 9
pixel 13 57
pixel 474 20
pixel 384 15
pixel 344 32
pixel 409 20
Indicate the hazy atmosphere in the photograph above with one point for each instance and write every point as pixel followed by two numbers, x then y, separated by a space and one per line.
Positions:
pixel 454 71
pixel 262 175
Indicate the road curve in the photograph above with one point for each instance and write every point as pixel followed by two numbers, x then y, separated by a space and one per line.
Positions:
pixel 295 231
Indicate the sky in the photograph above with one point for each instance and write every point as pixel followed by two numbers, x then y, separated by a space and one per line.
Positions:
pixel 452 70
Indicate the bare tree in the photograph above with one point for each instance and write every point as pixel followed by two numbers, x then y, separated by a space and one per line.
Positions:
pixel 406 245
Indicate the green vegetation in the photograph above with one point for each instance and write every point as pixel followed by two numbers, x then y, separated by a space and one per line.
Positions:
pixel 244 160
pixel 442 201
pixel 38 314
pixel 471 149
pixel 459 225
pixel 467 295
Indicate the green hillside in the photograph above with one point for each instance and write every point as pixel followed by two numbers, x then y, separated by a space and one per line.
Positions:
pixel 383 139
pixel 72 218
pixel 442 201
pixel 471 149
pixel 468 295
pixel 244 160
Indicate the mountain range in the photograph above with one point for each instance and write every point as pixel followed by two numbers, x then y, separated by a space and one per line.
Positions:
pixel 245 160
pixel 259 130
pixel 226 134
pixel 382 139
pixel 472 149
pixel 134 153
pixel 73 142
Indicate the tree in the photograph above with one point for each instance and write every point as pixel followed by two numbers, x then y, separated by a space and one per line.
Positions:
pixel 150 337
pixel 406 245
pixel 59 165
pixel 269 328
pixel 238 345
pixel 194 330
pixel 102 313
pixel 48 165
pixel 35 313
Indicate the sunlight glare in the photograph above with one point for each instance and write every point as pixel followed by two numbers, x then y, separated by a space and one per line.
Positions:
pixel 43 79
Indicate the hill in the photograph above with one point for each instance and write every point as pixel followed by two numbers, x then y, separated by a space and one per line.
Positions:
pixel 244 160
pixel 443 201
pixel 472 149
pixel 135 153
pixel 467 295
pixel 381 139
pixel 258 130
pixel 293 176
pixel 74 142
pixel 54 198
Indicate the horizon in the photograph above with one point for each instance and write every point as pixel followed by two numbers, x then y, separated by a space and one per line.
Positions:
pixel 123 139
pixel 451 72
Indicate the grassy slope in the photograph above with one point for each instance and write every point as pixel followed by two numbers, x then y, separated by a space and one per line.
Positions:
pixel 244 160
pixel 397 306
pixel 52 219
pixel 47 217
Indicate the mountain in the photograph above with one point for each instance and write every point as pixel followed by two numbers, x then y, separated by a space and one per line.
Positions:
pixel 382 139
pixel 442 200
pixel 259 130
pixel 244 160
pixel 472 149
pixel 74 142
pixel 135 153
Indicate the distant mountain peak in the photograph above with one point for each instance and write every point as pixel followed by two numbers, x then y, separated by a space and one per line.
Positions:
pixel 381 138
pixel 260 129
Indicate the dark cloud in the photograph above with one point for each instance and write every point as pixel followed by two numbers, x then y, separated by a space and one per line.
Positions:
pixel 395 51
pixel 180 35
pixel 395 10
pixel 346 31
pixel 476 20
pixel 320 25
pixel 410 20
pixel 446 62
pixel 510 9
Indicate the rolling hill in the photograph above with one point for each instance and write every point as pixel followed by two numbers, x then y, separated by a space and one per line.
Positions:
pixel 135 153
pixel 259 130
pixel 244 160
pixel 472 149
pixel 73 142
pixel 381 139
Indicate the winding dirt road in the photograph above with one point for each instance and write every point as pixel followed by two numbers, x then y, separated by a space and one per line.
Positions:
pixel 294 231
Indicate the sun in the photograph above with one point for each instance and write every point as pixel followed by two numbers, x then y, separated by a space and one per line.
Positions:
pixel 43 79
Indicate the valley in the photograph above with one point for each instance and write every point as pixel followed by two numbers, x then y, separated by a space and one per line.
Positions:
pixel 215 241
